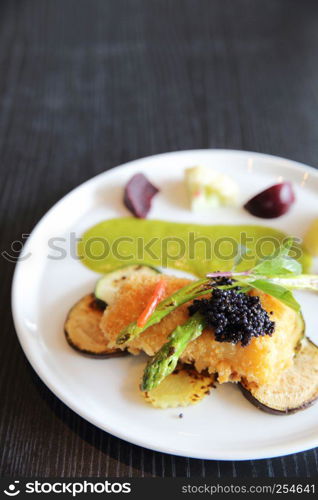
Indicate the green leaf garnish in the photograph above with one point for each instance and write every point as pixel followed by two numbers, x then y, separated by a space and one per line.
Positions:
pixel 278 264
pixel 275 275
pixel 279 292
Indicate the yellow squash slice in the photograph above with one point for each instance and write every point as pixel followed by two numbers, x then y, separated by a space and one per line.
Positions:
pixel 184 387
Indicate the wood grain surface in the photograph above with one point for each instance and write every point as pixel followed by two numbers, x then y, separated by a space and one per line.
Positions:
pixel 87 85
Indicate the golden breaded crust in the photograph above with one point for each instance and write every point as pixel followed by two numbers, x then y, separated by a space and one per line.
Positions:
pixel 132 299
pixel 259 362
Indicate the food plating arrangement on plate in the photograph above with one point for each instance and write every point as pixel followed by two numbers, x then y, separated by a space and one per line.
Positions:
pixel 239 323
pixel 205 282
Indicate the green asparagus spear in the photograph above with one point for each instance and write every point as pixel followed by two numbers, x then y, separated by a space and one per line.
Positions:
pixel 166 306
pixel 166 359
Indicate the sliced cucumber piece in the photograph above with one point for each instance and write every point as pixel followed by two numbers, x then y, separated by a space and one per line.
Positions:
pixel 108 285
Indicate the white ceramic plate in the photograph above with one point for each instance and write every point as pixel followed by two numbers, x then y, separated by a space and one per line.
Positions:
pixel 225 425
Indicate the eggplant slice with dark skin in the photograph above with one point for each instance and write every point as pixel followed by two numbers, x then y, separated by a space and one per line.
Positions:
pixel 82 330
pixel 294 390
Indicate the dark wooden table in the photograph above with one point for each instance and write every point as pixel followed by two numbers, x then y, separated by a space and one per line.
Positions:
pixel 87 85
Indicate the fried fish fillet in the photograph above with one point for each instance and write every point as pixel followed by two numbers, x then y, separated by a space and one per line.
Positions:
pixel 260 362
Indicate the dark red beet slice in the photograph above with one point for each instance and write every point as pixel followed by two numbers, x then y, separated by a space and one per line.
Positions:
pixel 138 195
pixel 273 202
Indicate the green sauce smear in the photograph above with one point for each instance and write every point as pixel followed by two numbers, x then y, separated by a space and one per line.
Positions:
pixel 194 248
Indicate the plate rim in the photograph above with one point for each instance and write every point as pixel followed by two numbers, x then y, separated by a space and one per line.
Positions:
pixel 302 444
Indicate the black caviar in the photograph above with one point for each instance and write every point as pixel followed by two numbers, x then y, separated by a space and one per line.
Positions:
pixel 234 316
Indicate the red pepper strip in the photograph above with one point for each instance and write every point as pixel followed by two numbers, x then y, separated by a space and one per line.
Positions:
pixel 152 304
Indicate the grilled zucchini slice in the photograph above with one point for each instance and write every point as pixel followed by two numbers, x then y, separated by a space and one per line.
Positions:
pixel 107 285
